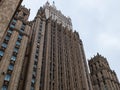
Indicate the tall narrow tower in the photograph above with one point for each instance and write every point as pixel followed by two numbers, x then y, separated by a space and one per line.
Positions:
pixel 57 60
pixel 7 11
pixel 103 78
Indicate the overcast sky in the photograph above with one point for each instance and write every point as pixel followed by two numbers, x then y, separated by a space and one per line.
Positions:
pixel 97 21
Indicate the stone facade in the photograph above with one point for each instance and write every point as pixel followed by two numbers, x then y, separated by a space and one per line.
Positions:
pixel 46 54
pixel 7 10
pixel 42 55
pixel 13 49
pixel 57 60
pixel 102 77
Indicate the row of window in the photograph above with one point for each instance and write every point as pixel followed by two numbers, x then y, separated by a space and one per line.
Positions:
pixel 12 62
pixel 7 38
pixel 36 60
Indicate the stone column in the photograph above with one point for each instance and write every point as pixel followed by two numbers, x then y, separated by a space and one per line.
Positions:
pixel 38 76
pixel 32 56
pixel 46 82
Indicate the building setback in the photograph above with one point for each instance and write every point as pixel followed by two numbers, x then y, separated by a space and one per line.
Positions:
pixel 7 11
pixel 102 77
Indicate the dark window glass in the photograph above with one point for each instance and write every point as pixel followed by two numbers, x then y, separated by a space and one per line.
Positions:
pixel 23 26
pixel 18 43
pixel 7 77
pixel 21 30
pixel 7 38
pixel 4 45
pixel 4 87
pixel 9 31
pixel 33 80
pixel 20 36
pixel 14 21
pixel 32 88
pixel 12 26
pixel 13 58
pixel 1 53
pixel 16 50
pixel 34 73
pixel 11 66
pixel 35 66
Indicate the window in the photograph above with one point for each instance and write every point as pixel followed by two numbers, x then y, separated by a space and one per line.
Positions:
pixel 33 80
pixel 4 45
pixel 7 77
pixel 23 26
pixel 9 31
pixel 34 73
pixel 1 53
pixel 18 43
pixel 11 66
pixel 36 56
pixel 12 26
pixel 15 50
pixel 14 21
pixel 7 38
pixel 32 88
pixel 4 87
pixel 22 30
pixel 20 36
pixel 35 66
pixel 13 58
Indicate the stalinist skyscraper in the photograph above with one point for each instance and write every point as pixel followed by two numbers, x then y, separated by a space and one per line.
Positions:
pixel 57 60
pixel 44 54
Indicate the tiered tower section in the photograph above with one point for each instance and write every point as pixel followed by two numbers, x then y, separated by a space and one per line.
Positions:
pixel 103 78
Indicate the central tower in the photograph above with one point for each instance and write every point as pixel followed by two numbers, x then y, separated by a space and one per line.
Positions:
pixel 57 59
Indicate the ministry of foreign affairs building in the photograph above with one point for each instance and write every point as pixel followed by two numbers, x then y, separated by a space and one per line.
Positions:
pixel 46 53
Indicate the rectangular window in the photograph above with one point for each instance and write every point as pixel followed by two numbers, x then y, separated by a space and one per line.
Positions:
pixel 32 88
pixel 33 80
pixel 4 45
pixel 14 21
pixel 18 43
pixel 13 58
pixel 15 50
pixel 1 53
pixel 12 26
pixel 11 66
pixel 7 38
pixel 20 36
pixel 22 30
pixel 7 77
pixel 4 87
pixel 23 26
pixel 9 31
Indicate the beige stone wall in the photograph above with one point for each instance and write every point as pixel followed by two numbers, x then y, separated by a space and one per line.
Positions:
pixel 7 10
